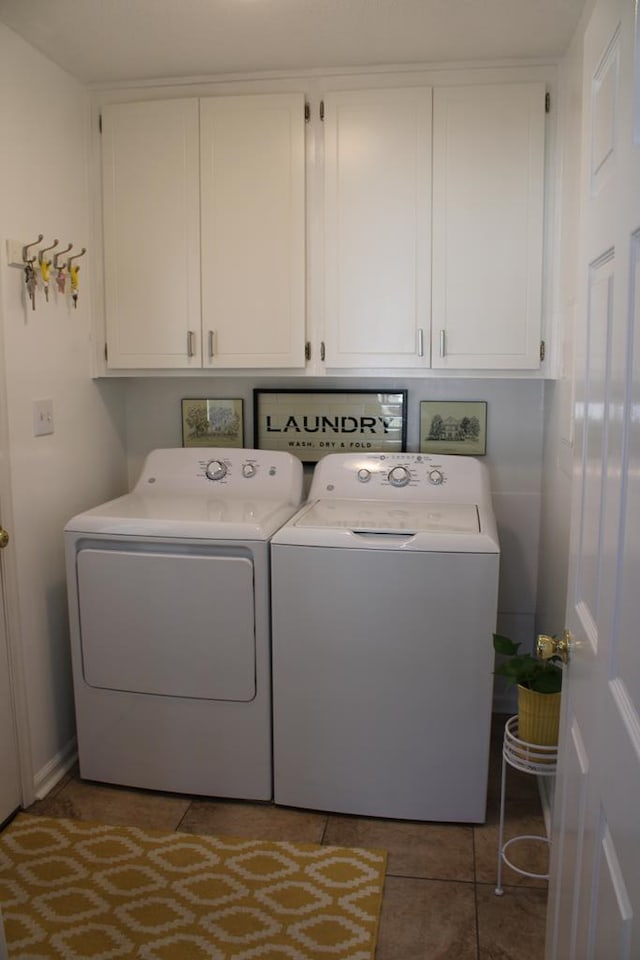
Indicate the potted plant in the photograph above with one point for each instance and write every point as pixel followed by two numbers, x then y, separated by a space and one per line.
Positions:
pixel 539 685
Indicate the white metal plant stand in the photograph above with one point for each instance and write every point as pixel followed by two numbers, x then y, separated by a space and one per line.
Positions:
pixel 529 758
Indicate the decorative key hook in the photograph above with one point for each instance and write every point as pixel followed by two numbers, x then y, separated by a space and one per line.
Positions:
pixel 44 250
pixel 61 253
pixel 26 247
pixel 76 256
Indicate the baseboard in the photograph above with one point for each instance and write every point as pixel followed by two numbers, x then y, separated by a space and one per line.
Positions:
pixel 45 779
pixel 546 787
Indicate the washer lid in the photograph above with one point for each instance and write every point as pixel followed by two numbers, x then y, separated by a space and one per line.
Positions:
pixel 377 516
pixel 184 517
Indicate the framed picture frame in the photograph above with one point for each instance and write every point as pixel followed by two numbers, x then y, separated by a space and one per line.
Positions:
pixel 212 422
pixel 453 426
pixel 312 423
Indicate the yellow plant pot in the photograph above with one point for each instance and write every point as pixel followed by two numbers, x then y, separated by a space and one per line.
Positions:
pixel 538 716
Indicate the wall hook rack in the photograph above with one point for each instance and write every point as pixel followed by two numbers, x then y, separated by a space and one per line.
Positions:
pixel 33 244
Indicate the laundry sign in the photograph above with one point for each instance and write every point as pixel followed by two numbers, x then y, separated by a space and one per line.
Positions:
pixel 310 424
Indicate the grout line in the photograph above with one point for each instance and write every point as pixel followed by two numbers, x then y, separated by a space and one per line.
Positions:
pixel 183 817
pixel 410 876
pixel 324 829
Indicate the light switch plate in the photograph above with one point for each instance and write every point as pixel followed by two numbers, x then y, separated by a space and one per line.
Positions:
pixel 42 417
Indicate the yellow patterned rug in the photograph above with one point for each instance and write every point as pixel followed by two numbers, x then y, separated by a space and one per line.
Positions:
pixel 71 889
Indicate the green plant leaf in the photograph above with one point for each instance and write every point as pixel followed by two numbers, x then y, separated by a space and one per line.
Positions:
pixel 504 645
pixel 544 676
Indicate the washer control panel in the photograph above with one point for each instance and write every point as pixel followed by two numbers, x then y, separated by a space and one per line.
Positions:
pixel 412 476
pixel 401 471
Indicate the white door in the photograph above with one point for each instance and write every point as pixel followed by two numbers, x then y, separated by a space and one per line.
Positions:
pixel 10 793
pixel 378 227
pixel 488 187
pixel 151 197
pixel 594 905
pixel 252 159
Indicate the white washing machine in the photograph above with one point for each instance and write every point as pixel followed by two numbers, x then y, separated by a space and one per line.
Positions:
pixel 170 622
pixel 384 598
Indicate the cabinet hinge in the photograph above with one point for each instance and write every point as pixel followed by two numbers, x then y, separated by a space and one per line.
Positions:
pixel 307 113
pixel 543 350
pixel 307 350
pixel 547 103
pixel 322 109
pixel 100 122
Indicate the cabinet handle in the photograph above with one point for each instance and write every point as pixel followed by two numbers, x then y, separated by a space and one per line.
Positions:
pixel 442 343
pixel 212 343
pixel 191 350
pixel 420 342
pixel 322 350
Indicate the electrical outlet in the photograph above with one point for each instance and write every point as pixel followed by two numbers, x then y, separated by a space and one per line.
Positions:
pixel 42 417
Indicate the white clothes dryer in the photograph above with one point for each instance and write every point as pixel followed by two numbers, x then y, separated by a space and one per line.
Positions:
pixel 169 611
pixel 384 599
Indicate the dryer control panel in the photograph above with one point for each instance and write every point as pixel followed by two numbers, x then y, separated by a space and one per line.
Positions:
pixel 225 472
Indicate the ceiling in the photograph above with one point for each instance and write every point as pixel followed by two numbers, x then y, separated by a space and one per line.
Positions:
pixel 105 41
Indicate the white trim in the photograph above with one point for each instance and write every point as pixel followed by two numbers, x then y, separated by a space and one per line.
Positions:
pixel 10 609
pixel 54 770
pixel 546 789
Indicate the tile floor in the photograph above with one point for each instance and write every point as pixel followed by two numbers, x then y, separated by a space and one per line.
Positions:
pixel 439 901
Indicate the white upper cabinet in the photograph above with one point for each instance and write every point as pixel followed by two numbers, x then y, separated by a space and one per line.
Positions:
pixel 488 181
pixel 425 232
pixel 253 230
pixel 151 209
pixel 204 232
pixel 377 256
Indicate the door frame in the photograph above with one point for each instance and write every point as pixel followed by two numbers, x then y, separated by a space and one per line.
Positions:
pixel 9 596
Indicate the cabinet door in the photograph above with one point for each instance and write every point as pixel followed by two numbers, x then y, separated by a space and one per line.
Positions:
pixel 377 227
pixel 488 171
pixel 253 231
pixel 151 233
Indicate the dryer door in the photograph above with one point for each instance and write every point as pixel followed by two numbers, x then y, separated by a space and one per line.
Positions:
pixel 172 624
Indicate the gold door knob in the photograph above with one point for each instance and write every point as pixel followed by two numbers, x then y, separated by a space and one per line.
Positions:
pixel 547 647
pixel 4 538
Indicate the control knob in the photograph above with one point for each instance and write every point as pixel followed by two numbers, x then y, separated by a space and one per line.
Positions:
pixel 249 470
pixel 364 475
pixel 436 476
pixel 399 476
pixel 216 470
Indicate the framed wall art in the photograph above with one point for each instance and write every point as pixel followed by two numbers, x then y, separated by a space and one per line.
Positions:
pixel 212 423
pixel 453 426
pixel 311 423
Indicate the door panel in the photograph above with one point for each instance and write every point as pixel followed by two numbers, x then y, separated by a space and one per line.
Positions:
pixel 378 227
pixel 488 182
pixel 151 233
pixel 595 872
pixel 253 230
pixel 168 624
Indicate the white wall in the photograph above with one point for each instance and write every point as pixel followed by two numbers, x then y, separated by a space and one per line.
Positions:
pixel 558 419
pixel 44 189
pixel 514 458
